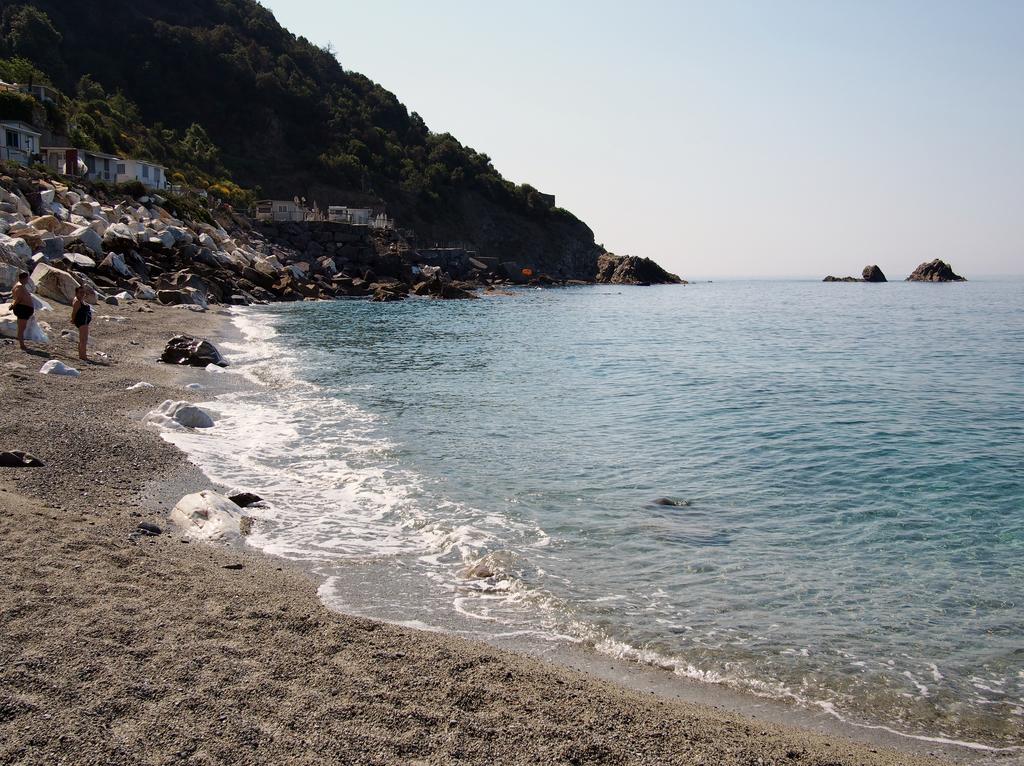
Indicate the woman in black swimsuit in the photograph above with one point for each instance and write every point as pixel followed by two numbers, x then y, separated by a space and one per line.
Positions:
pixel 81 316
pixel 22 307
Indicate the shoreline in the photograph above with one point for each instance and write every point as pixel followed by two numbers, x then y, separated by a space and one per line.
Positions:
pixel 141 674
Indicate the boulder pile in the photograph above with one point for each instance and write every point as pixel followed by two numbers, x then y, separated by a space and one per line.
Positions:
pixel 136 249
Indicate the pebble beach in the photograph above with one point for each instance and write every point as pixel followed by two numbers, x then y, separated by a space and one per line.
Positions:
pixel 118 647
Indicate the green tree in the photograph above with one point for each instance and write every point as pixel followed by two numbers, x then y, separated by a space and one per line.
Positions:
pixel 28 32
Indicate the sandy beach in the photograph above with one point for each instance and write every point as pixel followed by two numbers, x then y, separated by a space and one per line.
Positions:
pixel 117 648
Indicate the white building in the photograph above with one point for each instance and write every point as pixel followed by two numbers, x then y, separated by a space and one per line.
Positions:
pixel 280 210
pixel 149 174
pixel 82 163
pixel 21 141
pixel 357 215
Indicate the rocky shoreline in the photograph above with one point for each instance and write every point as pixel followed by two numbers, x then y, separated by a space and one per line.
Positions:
pixel 119 646
pixel 183 252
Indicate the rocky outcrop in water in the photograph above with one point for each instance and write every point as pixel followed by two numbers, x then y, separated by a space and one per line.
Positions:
pixel 831 278
pixel 873 274
pixel 935 271
pixel 632 270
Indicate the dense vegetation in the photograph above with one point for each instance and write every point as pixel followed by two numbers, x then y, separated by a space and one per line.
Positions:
pixel 226 92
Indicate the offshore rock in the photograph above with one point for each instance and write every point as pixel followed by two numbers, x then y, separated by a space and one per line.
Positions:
pixel 831 278
pixel 632 270
pixel 873 274
pixel 936 271
pixel 184 349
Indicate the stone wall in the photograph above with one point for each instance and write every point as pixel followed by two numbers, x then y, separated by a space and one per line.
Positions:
pixel 344 242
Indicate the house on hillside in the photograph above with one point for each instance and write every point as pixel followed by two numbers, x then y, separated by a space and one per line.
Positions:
pixel 357 215
pixel 81 163
pixel 21 141
pixel 149 174
pixel 44 94
pixel 280 210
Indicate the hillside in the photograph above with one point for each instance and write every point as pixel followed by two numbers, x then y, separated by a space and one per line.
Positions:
pixel 280 115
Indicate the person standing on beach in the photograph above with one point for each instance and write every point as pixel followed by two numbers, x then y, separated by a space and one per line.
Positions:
pixel 22 306
pixel 81 317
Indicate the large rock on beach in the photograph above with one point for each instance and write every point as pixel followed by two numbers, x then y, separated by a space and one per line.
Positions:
pixel 873 274
pixel 184 349
pixel 935 271
pixel 208 516
pixel 19 459
pixel 57 367
pixel 54 283
pixel 178 415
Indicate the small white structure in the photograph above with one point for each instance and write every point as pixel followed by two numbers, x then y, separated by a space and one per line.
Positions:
pixel 149 174
pixel 21 141
pixel 381 221
pixel 280 210
pixel 356 215
pixel 41 93
pixel 82 163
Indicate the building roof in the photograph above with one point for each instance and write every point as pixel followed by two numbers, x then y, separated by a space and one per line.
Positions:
pixel 146 162
pixel 22 126
pixel 101 155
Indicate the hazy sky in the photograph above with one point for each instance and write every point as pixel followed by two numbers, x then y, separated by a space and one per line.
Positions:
pixel 727 138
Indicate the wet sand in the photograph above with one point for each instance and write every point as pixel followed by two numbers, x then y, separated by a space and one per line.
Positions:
pixel 117 648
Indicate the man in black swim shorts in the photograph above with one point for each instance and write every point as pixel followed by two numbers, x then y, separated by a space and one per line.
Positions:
pixel 22 307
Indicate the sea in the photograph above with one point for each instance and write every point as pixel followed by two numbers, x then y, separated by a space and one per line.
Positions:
pixel 797 491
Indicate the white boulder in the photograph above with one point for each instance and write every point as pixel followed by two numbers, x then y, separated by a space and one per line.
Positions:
pixel 16 245
pixel 208 515
pixel 80 261
pixel 57 367
pixel 119 232
pixel 86 209
pixel 178 416
pixel 139 386
pixel 88 237
pixel 54 283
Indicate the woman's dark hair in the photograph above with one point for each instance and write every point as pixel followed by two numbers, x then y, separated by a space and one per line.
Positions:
pixel 23 275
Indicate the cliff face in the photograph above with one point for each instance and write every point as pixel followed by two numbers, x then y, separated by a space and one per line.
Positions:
pixel 287 118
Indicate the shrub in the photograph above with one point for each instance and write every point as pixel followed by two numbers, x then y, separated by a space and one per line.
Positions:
pixel 16 106
pixel 133 189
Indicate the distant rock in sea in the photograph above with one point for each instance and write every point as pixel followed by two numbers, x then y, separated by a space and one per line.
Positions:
pixel 936 271
pixel 831 278
pixel 874 274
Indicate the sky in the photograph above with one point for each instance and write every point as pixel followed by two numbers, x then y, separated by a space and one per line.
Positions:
pixel 727 139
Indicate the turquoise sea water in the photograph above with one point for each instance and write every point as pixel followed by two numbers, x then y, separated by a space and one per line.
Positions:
pixel 845 462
